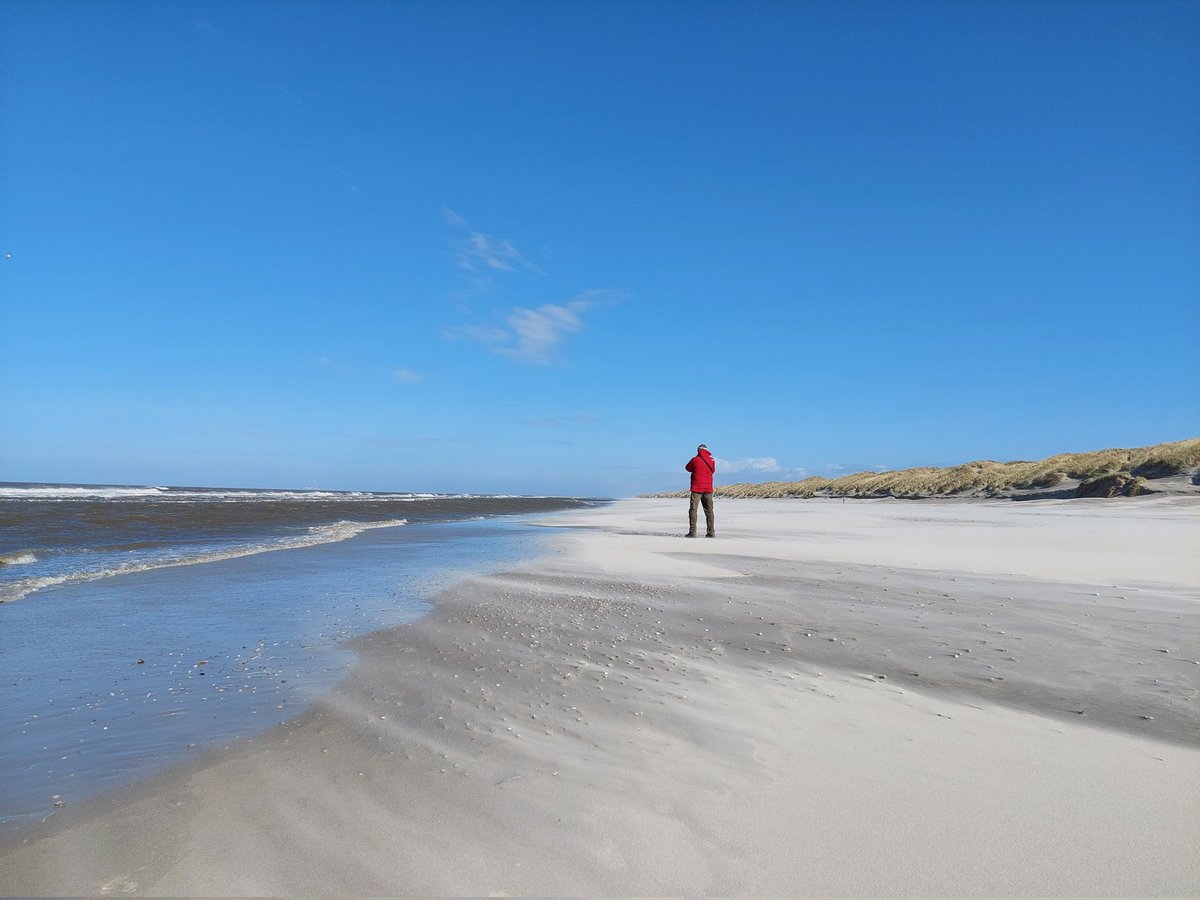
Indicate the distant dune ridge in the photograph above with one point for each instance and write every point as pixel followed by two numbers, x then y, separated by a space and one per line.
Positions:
pixel 1170 467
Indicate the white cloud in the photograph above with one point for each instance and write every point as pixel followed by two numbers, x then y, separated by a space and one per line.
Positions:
pixel 749 464
pixel 485 251
pixel 525 333
pixel 407 376
pixel 764 465
pixel 534 334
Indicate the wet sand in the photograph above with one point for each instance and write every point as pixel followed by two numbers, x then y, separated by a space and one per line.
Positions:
pixel 865 698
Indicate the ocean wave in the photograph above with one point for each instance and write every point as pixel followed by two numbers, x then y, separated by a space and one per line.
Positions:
pixel 76 492
pixel 20 558
pixel 102 492
pixel 176 495
pixel 340 531
pixel 258 496
pixel 55 492
pixel 318 534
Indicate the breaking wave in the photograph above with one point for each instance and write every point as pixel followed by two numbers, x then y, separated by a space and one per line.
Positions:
pixel 38 492
pixel 51 492
pixel 317 534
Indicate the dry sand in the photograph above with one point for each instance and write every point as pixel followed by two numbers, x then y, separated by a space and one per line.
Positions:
pixel 866 698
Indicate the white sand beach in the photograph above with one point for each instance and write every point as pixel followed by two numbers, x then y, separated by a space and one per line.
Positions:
pixel 863 698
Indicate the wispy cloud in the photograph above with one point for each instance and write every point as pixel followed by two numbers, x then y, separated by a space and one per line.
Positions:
pixel 533 335
pixel 537 332
pixel 483 254
pixel 482 251
pixel 525 333
pixel 528 335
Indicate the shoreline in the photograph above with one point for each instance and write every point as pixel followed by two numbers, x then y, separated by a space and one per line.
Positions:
pixel 638 714
pixel 113 680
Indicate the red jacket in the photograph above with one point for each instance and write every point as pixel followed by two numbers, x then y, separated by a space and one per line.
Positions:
pixel 702 467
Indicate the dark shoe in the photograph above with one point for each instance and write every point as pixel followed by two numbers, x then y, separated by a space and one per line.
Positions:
pixel 710 535
pixel 690 534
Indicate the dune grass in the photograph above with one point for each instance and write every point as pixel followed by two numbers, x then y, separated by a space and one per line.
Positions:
pixel 985 477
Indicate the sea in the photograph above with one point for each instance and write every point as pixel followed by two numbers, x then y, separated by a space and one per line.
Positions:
pixel 141 626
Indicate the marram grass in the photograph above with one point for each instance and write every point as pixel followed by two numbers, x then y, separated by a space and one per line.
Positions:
pixel 984 478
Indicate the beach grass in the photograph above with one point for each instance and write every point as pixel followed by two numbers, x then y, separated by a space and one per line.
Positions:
pixel 985 477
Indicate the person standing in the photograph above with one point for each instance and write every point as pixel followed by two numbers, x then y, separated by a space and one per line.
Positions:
pixel 702 468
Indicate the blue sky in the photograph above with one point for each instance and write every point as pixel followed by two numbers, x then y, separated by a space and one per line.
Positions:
pixel 549 247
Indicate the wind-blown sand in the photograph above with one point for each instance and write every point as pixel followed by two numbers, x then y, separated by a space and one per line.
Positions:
pixel 878 697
